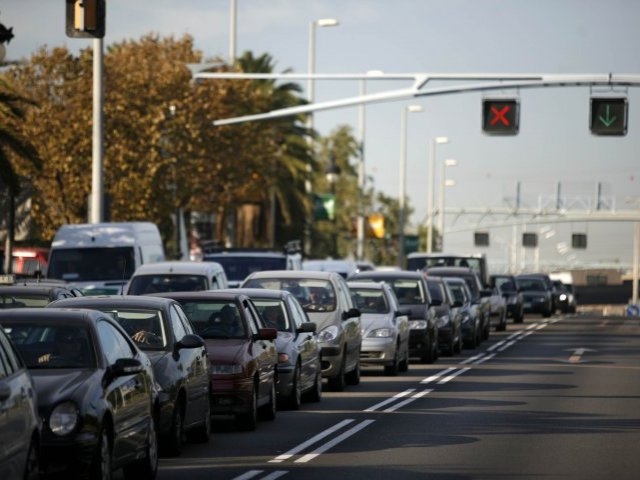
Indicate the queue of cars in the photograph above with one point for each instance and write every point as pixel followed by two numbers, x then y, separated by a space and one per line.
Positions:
pixel 155 367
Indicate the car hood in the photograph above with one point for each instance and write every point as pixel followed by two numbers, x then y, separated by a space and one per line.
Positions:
pixel 227 350
pixel 373 321
pixel 283 339
pixel 324 319
pixel 55 385
pixel 155 356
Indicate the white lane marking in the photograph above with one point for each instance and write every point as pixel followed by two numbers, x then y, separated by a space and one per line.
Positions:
pixel 438 375
pixel 408 400
pixel 471 359
pixel 311 441
pixel 389 400
pixel 323 448
pixel 454 375
pixel 255 473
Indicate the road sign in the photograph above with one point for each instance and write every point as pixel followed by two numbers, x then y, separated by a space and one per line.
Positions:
pixel 608 116
pixel 500 116
pixel 85 18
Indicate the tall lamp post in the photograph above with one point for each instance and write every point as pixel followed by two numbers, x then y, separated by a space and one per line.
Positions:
pixel 403 179
pixel 322 22
pixel 432 194
pixel 332 174
pixel 449 162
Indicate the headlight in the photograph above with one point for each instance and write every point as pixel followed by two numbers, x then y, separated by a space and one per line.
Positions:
pixel 465 318
pixel 63 418
pixel 380 333
pixel 328 334
pixel 512 300
pixel 283 358
pixel 233 369
pixel 418 324
pixel 563 297
pixel 443 321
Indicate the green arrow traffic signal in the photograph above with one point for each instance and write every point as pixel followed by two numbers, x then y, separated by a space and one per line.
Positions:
pixel 608 116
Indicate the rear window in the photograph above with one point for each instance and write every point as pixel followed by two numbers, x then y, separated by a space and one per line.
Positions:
pixel 144 284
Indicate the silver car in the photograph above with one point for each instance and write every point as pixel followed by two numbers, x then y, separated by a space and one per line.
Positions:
pixel 385 327
pixel 326 299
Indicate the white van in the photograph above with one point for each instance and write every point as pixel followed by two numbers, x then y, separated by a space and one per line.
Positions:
pixel 99 258
pixel 177 276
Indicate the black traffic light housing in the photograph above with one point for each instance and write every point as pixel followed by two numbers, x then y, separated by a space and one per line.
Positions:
pixel 500 116
pixel 608 116
pixel 85 18
pixel 6 34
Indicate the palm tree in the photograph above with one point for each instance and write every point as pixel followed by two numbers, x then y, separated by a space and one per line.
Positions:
pixel 12 147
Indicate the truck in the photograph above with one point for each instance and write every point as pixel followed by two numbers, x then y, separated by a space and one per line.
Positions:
pixel 100 258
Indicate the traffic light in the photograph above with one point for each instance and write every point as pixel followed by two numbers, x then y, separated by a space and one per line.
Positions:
pixel 608 116
pixel 500 116
pixel 6 34
pixel 529 239
pixel 85 18
pixel 481 239
pixel 579 240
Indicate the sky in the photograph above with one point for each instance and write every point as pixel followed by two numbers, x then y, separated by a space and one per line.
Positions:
pixel 553 150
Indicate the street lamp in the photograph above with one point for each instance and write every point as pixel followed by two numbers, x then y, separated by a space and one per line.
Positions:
pixel 432 194
pixel 403 178
pixel 322 22
pixel 332 174
pixel 449 162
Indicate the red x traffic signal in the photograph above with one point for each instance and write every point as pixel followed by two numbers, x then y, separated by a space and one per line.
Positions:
pixel 500 116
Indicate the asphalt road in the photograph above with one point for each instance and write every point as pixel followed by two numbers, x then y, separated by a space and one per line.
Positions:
pixel 555 398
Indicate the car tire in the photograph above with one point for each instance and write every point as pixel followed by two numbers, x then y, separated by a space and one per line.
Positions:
pixel 32 465
pixel 175 439
pixel 428 356
pixel 393 369
pixel 202 433
pixel 353 377
pixel 294 400
pixel 268 411
pixel 315 393
pixel 457 348
pixel 147 467
pixel 337 382
pixel 502 324
pixel 248 420
pixel 101 464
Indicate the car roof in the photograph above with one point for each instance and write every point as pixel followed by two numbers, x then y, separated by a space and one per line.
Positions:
pixel 231 294
pixel 140 301
pixel 261 292
pixel 244 254
pixel 71 315
pixel 299 274
pixel 184 267
pixel 366 284
pixel 449 271
pixel 386 274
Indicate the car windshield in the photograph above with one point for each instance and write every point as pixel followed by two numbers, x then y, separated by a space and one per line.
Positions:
pixel 273 313
pixel 530 284
pixel 144 284
pixel 457 292
pixel 315 295
pixel 47 346
pixel 369 300
pixel 237 268
pixel 144 326
pixel 409 291
pixel 215 318
pixel 91 264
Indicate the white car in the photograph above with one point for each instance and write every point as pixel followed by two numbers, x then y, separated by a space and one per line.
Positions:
pixel 385 327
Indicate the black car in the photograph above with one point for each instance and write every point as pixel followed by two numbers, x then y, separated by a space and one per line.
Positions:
pixel 96 392
pixel 470 322
pixel 506 284
pixel 449 327
pixel 413 295
pixel 243 360
pixel 34 294
pixel 480 301
pixel 299 368
pixel 162 330
pixel 20 425
pixel 538 298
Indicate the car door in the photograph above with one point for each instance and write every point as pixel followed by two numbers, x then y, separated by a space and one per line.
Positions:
pixel 351 326
pixel 128 396
pixel 192 362
pixel 306 343
pixel 264 351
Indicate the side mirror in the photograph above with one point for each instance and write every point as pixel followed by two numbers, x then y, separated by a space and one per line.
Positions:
pixel 436 302
pixel 307 327
pixel 351 313
pixel 267 334
pixel 126 366
pixel 190 341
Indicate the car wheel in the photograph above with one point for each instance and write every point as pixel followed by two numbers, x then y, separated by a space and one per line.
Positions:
pixel 393 369
pixel 268 411
pixel 519 318
pixel 337 382
pixel 32 467
pixel 175 439
pixel 295 397
pixel 315 394
pixel 101 464
pixel 428 356
pixel 353 377
pixel 202 432
pixel 472 341
pixel 147 467
pixel 248 420
pixel 502 324
pixel 458 344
